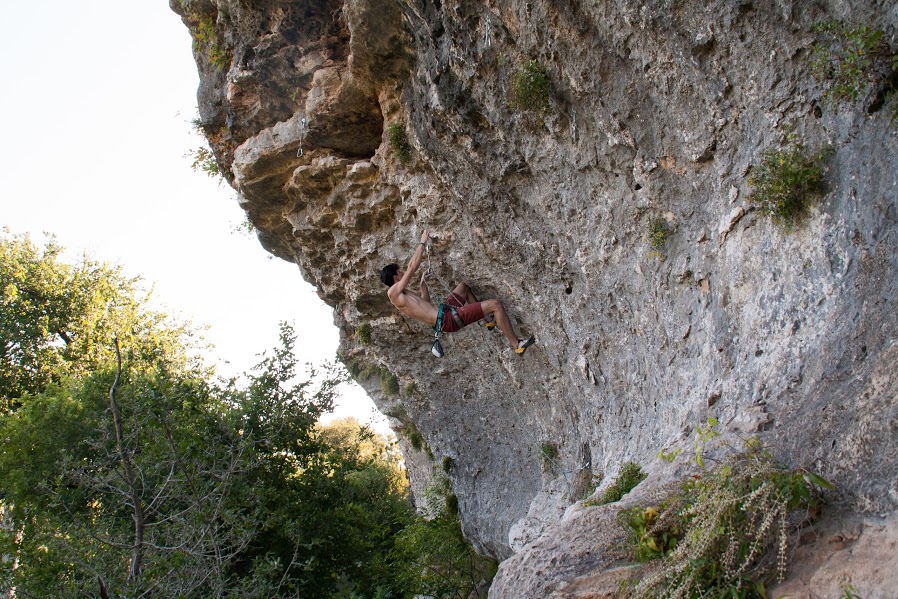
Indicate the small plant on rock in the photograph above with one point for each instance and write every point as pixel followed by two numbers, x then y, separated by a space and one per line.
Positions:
pixel 786 182
pixel 414 436
pixel 849 60
pixel 630 475
pixel 448 462
pixel 649 537
pixel 205 37
pixel 204 161
pixel 548 452
pixel 389 382
pixel 246 227
pixel 530 88
pixel 353 367
pixel 668 456
pixel 202 158
pixel 363 333
pixel 402 149
pixel 656 236
pixel 725 533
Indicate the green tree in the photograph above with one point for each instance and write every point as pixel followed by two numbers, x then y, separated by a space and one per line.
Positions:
pixel 75 506
pixel 347 434
pixel 435 560
pixel 58 320
pixel 137 474
pixel 232 491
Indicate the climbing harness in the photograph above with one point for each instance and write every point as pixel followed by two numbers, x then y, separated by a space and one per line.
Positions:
pixel 455 317
pixel 437 347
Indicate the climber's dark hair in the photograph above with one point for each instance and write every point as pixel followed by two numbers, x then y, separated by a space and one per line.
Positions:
pixel 387 273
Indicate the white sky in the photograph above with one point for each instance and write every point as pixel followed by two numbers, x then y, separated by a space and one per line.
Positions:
pixel 97 99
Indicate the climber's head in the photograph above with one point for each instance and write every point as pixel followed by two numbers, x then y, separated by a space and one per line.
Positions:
pixel 388 274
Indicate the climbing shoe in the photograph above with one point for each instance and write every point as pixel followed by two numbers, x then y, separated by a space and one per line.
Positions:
pixel 490 324
pixel 523 344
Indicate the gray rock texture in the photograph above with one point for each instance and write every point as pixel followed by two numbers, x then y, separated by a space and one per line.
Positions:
pixel 658 109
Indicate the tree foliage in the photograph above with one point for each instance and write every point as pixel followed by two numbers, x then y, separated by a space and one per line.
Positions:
pixel 439 562
pixel 58 320
pixel 241 493
pixel 150 478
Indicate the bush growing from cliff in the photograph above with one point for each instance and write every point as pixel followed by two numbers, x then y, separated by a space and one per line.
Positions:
pixel 206 38
pixel 530 88
pixel 353 367
pixel 848 61
pixel 414 436
pixel 402 149
pixel 630 475
pixel 725 533
pixel 363 333
pixel 656 236
pixel 786 181
pixel 203 159
pixel 389 382
pixel 548 453
pixel 245 227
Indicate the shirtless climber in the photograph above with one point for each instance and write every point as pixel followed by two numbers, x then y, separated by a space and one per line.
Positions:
pixel 461 308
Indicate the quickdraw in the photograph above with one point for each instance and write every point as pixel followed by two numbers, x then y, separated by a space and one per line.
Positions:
pixel 437 347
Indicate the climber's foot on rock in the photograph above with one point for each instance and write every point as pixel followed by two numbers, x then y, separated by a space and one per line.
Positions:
pixel 523 344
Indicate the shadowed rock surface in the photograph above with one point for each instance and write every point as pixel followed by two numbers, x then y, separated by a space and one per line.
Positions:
pixel 657 110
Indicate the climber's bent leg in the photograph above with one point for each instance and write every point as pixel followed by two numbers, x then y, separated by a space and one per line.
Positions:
pixel 495 307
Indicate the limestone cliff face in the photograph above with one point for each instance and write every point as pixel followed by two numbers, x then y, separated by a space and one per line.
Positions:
pixel 658 109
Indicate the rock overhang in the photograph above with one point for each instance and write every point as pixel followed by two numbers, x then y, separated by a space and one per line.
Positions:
pixel 656 114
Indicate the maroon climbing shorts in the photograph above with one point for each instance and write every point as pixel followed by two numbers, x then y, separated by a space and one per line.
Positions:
pixel 468 313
